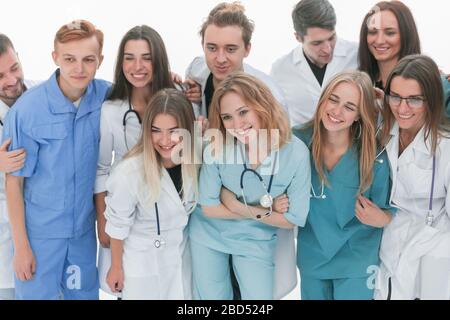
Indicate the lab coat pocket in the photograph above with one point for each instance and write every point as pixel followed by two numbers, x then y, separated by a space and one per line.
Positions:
pixel 139 258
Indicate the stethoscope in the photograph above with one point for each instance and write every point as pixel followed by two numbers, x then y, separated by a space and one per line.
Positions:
pixel 159 241
pixel 430 217
pixel 322 194
pixel 130 111
pixel 266 201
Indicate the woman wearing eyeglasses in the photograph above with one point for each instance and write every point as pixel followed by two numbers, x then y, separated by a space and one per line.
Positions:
pixel 338 247
pixel 151 193
pixel 415 250
pixel 251 160
pixel 141 70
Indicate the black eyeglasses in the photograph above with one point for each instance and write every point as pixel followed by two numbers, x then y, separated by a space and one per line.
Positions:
pixel 412 102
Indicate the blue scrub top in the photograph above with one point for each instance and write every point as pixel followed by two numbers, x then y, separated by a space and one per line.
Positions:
pixel 334 244
pixel 61 142
pixel 250 237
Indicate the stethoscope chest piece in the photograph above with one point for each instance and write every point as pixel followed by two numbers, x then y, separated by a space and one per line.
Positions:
pixel 159 243
pixel 266 201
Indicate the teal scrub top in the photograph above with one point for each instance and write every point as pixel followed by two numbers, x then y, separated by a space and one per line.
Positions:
pixel 446 85
pixel 251 237
pixel 334 244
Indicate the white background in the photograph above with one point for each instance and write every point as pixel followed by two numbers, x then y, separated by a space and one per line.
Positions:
pixel 32 24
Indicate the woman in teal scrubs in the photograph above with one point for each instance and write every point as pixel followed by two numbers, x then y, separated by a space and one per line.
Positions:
pixel 233 220
pixel 337 251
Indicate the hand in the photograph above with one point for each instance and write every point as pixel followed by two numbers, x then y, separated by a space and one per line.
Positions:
pixel 281 204
pixel 193 91
pixel 103 237
pixel 176 78
pixel 204 124
pixel 369 214
pixel 24 264
pixel 13 160
pixel 115 279
pixel 229 200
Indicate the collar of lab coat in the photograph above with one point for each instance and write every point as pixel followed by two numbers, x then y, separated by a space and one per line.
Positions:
pixel 418 144
pixel 59 103
pixel 4 108
pixel 339 51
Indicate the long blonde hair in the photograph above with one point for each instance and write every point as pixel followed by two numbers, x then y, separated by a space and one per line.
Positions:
pixel 362 132
pixel 258 96
pixel 171 102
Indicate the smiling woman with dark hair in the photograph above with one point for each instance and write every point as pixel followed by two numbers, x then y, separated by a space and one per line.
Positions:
pixel 415 249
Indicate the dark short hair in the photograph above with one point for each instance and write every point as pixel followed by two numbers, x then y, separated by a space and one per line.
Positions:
pixel 313 14
pixel 5 43
pixel 409 36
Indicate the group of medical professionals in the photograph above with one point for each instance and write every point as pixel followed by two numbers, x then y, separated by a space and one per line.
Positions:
pixel 222 185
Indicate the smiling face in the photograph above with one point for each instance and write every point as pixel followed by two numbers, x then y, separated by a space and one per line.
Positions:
pixel 224 50
pixel 238 118
pixel 318 45
pixel 137 63
pixel 341 109
pixel 411 119
pixel 383 37
pixel 11 76
pixel 78 61
pixel 165 136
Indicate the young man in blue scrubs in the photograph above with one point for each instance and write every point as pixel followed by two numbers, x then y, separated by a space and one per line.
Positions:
pixel 50 200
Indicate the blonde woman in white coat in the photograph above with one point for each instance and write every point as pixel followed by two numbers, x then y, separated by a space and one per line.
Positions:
pixel 150 195
pixel 415 248
pixel 142 68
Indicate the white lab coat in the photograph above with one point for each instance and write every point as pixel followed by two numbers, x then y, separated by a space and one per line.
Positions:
pixel 6 245
pixel 111 151
pixel 285 254
pixel 415 258
pixel 198 71
pixel 299 85
pixel 150 273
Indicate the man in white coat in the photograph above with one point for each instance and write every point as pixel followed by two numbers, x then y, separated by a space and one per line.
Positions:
pixel 303 72
pixel 12 85
pixel 226 41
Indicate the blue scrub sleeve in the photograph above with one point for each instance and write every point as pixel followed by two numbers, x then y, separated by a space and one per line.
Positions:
pixel 13 128
pixel 298 190
pixel 380 190
pixel 210 185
